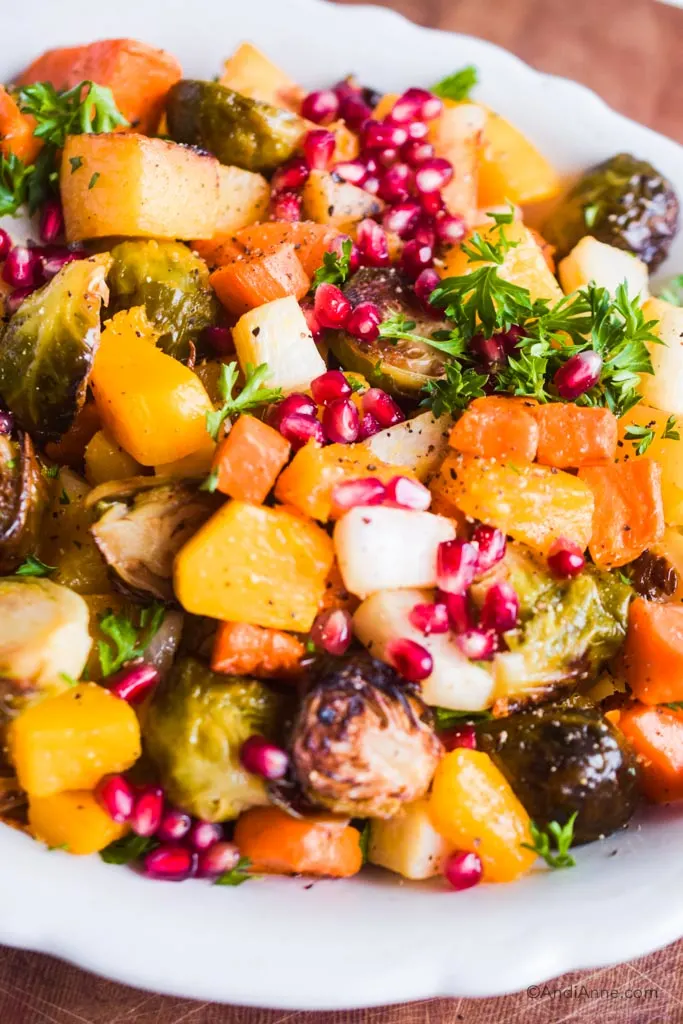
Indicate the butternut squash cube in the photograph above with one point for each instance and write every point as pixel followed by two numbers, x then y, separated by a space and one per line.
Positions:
pixel 74 821
pixel 106 460
pixel 665 450
pixel 339 203
pixel 251 73
pixel 456 136
pixel 248 563
pixel 243 199
pixel 511 169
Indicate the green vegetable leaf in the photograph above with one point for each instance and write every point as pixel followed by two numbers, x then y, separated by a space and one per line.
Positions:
pixel 357 386
pixel 51 472
pixel 447 718
pixel 252 394
pixel 68 679
pixel 401 327
pixel 641 437
pixel 454 391
pixel 553 843
pixel 93 181
pixel 457 86
pixel 336 267
pixel 676 705
pixel 32 566
pixel 670 432
pixel 128 849
pixel 76 162
pixel 14 178
pixel 210 484
pixel 590 214
pixel 240 873
pixel 85 108
pixel 673 292
pixel 128 640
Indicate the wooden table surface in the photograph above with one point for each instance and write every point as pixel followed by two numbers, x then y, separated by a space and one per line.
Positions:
pixel 629 52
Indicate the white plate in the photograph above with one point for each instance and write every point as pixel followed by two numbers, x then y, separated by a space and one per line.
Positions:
pixel 279 942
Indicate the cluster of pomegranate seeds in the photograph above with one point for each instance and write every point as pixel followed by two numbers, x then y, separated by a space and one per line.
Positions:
pixel 332 631
pixel 410 659
pixel 399 492
pixel 26 268
pixel 565 558
pixel 463 869
pixel 134 682
pixel 261 757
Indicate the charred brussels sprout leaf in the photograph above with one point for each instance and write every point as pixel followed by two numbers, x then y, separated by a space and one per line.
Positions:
pixel 173 286
pixel 239 131
pixel 23 495
pixel 48 348
pixel 624 202
pixel 566 758
pixel 363 742
pixel 196 724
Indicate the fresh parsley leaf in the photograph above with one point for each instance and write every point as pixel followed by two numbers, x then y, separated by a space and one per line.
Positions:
pixel 128 640
pixel 14 178
pixel 641 437
pixel 446 718
pixel 457 86
pixel 240 873
pixel 670 432
pixel 676 705
pixel 336 267
pixel 623 577
pixel 68 679
pixel 32 566
pixel 401 328
pixel 85 108
pixel 210 484
pixel 76 162
pixel 50 471
pixel 357 386
pixel 673 292
pixel 454 391
pixel 64 498
pixel 364 841
pixel 553 843
pixel 251 395
pixel 129 848
pixel 93 181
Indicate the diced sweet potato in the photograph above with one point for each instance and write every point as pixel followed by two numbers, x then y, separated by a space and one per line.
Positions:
pixel 497 428
pixel 653 652
pixel 311 241
pixel 337 203
pixel 629 516
pixel 249 459
pixel 276 843
pixel 73 821
pixel 571 436
pixel 250 281
pixel 656 734
pixel 16 130
pixel 241 649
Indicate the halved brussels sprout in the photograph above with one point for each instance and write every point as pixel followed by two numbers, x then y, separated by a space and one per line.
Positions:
pixel 401 367
pixel 195 727
pixel 173 286
pixel 238 130
pixel 23 493
pixel 49 345
pixel 142 524
pixel 66 542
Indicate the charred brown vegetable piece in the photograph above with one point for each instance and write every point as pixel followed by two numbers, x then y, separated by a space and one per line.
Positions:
pixel 363 742
pixel 652 576
pixel 566 757
pixel 23 494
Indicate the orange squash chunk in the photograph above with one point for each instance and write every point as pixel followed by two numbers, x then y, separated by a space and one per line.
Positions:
pixel 653 652
pixel 629 515
pixel 497 428
pixel 243 649
pixel 16 130
pixel 311 241
pixel 74 821
pixel 656 734
pixel 276 843
pixel 571 435
pixel 253 280
pixel 249 459
pixel 511 169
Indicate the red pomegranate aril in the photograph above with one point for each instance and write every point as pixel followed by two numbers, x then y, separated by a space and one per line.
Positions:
pixel 464 736
pixel 565 558
pixel 116 796
pixel 299 428
pixel 424 232
pixel 261 757
pixel 5 244
pixel 382 407
pixel 369 426
pixel 408 107
pixel 395 185
pixel 417 130
pixel 332 631
pixel 371 185
pixel 510 339
pixel 170 863
pixel 500 610
pixel 489 351
pixel 463 869
pixel 331 306
pixel 432 203
pixel 491 543
pixel 353 171
pixel 15 298
pixel 6 422
pixel 203 834
pixel 52 263
pixel 456 565
pixel 351 493
pixel 410 659
pixel 433 175
pixel 147 811
pixel 51 221
pixel 427 280
pixel 372 165
pixel 383 159
pixel 372 244
pixel 174 826
pixel 220 339
pixel 319 149
pixel 354 110
pixel 286 206
pixel 404 492
pixel 579 374
pixel 477 644
pixel 383 134
pixel 321 106
pixel 134 682
pixel 312 322
pixel 218 859
pixel 459 610
pixel 430 618
pixel 22 267
pixel 416 257
pixel 402 218
pixel 450 228
pixel 341 421
pixel 296 403
pixel 330 385
pixel 364 322
pixel 292 174
pixel 416 151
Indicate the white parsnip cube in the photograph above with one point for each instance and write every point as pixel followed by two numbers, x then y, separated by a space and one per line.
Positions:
pixel 277 333
pixel 664 389
pixel 408 843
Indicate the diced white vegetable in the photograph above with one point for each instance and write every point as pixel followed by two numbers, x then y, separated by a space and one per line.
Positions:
pixel 408 843
pixel 277 333
pixel 420 443
pixel 607 266
pixel 664 389
pixel 455 682
pixel 387 548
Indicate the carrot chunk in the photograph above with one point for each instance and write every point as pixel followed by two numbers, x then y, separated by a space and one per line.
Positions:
pixel 16 130
pixel 253 280
pixel 653 652
pixel 497 428
pixel 629 515
pixel 573 436
pixel 277 843
pixel 656 734
pixel 248 460
pixel 311 241
pixel 241 648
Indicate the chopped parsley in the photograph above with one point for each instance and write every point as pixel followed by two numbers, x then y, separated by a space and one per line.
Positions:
pixel 128 849
pixel 641 437
pixel 364 841
pixel 240 873
pixel 336 268
pixel 76 162
pixel 553 843
pixel 93 181
pixel 590 214
pixel 32 566
pixel 128 640
pixel 50 471
pixel 252 394
pixel 14 176
pixel 446 718
pixel 457 86
pixel 210 484
pixel 455 391
pixel 670 432
pixel 673 292
pixel 401 328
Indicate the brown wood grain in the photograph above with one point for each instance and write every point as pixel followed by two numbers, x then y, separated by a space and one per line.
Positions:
pixel 629 52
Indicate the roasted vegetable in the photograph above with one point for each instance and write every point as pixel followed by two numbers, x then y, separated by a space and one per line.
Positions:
pixel 196 724
pixel 66 542
pixel 49 345
pixel 653 653
pixel 408 843
pixel 278 843
pixel 23 493
pixel 563 758
pixel 105 460
pixel 238 130
pixel 604 265
pixel 656 735
pixel 74 821
pixel 629 515
pixel 277 333
pixel 362 743
pixel 653 576
pixel 624 202
pixel 328 200
pixel 259 278
pixel 143 522
pixel 173 286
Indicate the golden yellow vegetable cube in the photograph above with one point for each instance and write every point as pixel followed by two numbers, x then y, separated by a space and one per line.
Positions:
pixel 339 203
pixel 106 460
pixel 667 451
pixel 74 821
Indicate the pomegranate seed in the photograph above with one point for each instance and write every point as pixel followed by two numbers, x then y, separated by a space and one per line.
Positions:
pixel 580 373
pixel 432 203
pixel 463 869
pixel 22 267
pixel 147 811
pixel 459 611
pixel 51 221
pixel 408 107
pixel 321 106
pixel 319 149
pixel 395 185
pixel 116 796
pixel 134 682
pixel 371 165
pixel 341 421
pixel 417 130
pixel 415 258
pixel 416 151
pixel 424 232
pixel 430 618
pixel 331 306
pixel 510 339
pixel 385 158
pixel 218 859
pixel 402 218
pixel 450 228
pixel 382 407
pixel 489 351
pixel 456 565
pixel 302 405
pixel 476 644
pixel 405 492
pixel 383 134
pixel 372 244
pixel 50 265
pixel 365 491
pixel 433 175
pixel 170 863
pixel 565 558
pixel 337 245
pixel 369 426
pixel 299 428
pixel 286 206
pixel 332 631
pixel 174 825
pixel 355 111
pixel 464 736
pixel 5 244
pixel 353 171
pixel 15 298
pixel 203 834
pixel 491 543
pixel 261 757
pixel 312 322
pixel 410 659
pixel 371 185
pixel 220 339
pixel 292 174
pixel 427 280
pixel 500 610
pixel 330 385
pixel 6 422
pixel 364 322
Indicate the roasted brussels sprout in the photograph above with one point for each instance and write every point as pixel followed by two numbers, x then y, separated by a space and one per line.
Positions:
pixel 66 542
pixel 23 493
pixel 48 348
pixel 238 130
pixel 193 732
pixel 173 286
pixel 143 522
pixel 566 757
pixel 362 742
pixel 624 202
pixel 401 367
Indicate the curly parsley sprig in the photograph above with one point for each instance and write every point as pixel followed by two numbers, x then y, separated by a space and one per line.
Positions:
pixel 336 268
pixel 252 394
pixel 553 843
